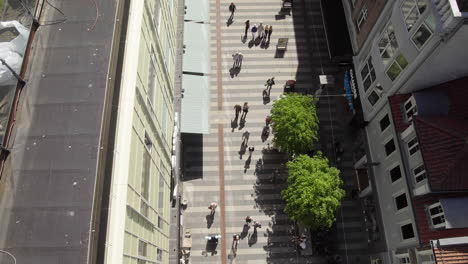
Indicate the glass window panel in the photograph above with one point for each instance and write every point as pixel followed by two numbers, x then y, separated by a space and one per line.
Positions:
pixel 393 71
pixel 384 122
pixel 421 36
pixel 430 22
pixel 438 220
pixel 407 231
pixel 422 5
pixel 367 84
pixel 373 98
pixel 401 201
pixel 390 147
pixel 412 18
pixel 372 73
pixel 402 61
pixel 364 71
pixel 395 173
pixel 436 210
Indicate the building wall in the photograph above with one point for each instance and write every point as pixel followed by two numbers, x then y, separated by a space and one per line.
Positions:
pixel 140 199
pixel 387 189
pixel 353 9
pixel 424 62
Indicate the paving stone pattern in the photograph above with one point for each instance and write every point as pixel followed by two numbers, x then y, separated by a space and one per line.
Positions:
pixel 250 184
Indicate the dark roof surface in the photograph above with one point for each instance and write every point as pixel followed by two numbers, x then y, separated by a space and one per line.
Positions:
pixel 47 187
pixel 443 143
pixel 425 231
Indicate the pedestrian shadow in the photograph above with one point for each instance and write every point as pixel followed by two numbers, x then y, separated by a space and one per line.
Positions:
pixel 245 231
pixel 242 150
pixel 209 220
pixel 253 238
pixel 265 44
pixel 265 133
pixel 266 99
pixel 244 39
pixel 234 71
pixel 247 162
pixel 234 124
pixel 257 41
pixel 251 43
pixel 230 21
pixel 242 123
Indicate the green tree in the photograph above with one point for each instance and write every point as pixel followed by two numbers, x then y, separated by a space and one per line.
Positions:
pixel 295 123
pixel 314 191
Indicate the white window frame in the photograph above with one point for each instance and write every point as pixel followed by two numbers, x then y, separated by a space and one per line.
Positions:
pixel 412 109
pixel 416 31
pixel 395 61
pixel 362 17
pixel 370 67
pixel 441 225
pixel 415 6
pixel 425 253
pixel 403 259
pixel 388 36
pixel 415 145
pixel 423 172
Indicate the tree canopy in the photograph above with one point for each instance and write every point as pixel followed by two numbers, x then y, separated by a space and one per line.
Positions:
pixel 295 123
pixel 314 191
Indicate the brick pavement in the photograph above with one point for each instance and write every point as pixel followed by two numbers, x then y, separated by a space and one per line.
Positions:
pixel 250 185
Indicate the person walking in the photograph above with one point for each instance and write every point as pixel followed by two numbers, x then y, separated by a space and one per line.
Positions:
pixel 237 109
pixel 248 220
pixel 235 241
pixel 247 26
pixel 254 31
pixel 240 57
pixel 251 149
pixel 270 30
pixel 245 110
pixel 261 31
pixel 265 34
pixel 235 59
pixel 232 8
pixel 245 138
pixel 212 207
pixel 269 83
pixel 268 120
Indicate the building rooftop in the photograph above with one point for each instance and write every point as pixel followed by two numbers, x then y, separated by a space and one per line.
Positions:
pixel 49 189
pixel 451 251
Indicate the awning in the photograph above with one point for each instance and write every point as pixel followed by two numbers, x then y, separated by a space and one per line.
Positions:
pixel 197 11
pixel 195 104
pixel 197 51
pixel 455 212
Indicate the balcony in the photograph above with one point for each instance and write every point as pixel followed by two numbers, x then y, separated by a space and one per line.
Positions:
pixel 450 13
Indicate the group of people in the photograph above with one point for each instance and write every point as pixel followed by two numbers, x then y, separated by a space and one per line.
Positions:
pixel 244 109
pixel 237 57
pixel 264 32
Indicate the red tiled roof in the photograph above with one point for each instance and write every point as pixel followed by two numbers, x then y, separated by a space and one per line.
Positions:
pixel 396 102
pixel 425 231
pixel 444 150
pixel 456 254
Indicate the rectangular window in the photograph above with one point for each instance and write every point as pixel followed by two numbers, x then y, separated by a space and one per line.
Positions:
pixel 407 231
pixel 398 65
pixel 412 11
pixel 384 122
pixel 148 143
pixel 142 248
pixel 159 254
pixel 362 17
pixel 404 260
pixel 151 78
pixel 160 222
pixel 145 174
pixel 421 36
pixel 419 173
pixel 388 45
pixel 390 147
pixel 368 74
pixel 141 261
pixel 401 201
pixel 410 108
pixel 373 98
pixel 162 184
pixel 436 213
pixel 413 146
pixel 395 173
pixel 144 208
pixel 157 14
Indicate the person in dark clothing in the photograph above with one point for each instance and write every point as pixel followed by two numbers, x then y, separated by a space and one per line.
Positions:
pixel 232 8
pixel 238 109
pixel 247 26
pixel 245 110
pixel 270 30
pixel 269 83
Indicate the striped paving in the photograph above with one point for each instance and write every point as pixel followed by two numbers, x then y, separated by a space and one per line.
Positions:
pixel 251 184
